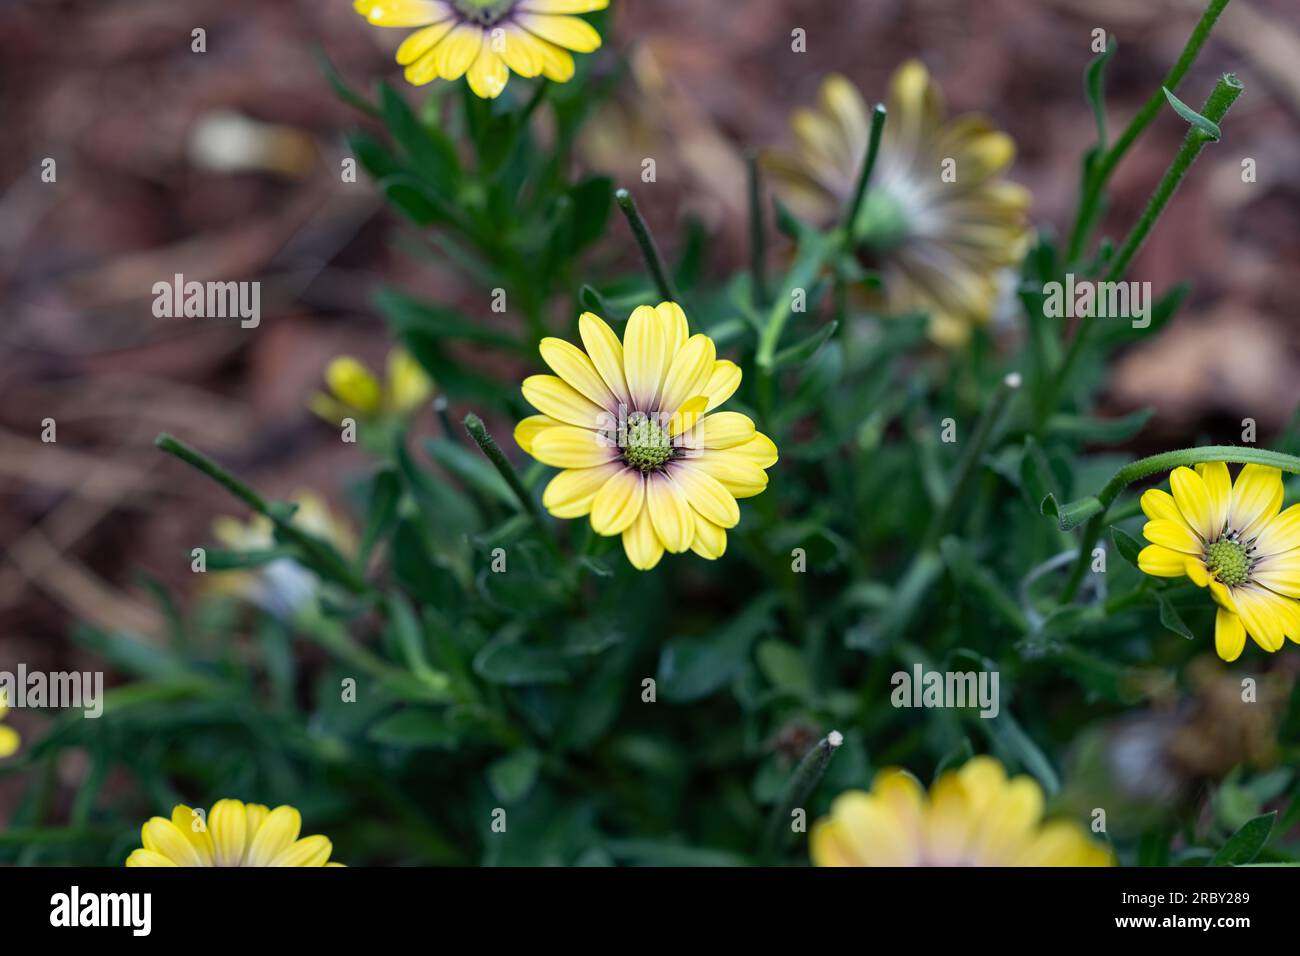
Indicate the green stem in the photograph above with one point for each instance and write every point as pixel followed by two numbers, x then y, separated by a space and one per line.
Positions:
pixel 864 174
pixel 757 234
pixel 649 249
pixel 487 444
pixel 1216 106
pixel 197 460
pixel 806 776
pixel 1094 509
pixel 1139 123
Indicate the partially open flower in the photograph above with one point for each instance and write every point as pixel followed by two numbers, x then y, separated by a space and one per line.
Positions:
pixel 938 222
pixel 233 834
pixel 486 40
pixel 629 423
pixel 354 392
pixel 9 739
pixel 1234 539
pixel 974 816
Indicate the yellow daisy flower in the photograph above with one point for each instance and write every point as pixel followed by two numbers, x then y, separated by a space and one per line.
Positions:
pixel 356 393
pixel 233 834
pixel 974 816
pixel 485 40
pixel 938 222
pixel 9 739
pixel 1234 539
pixel 629 423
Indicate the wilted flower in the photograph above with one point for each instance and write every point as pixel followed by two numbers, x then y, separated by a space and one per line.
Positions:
pixel 282 586
pixel 356 393
pixel 9 739
pixel 974 816
pixel 485 40
pixel 233 834
pixel 629 423
pixel 937 222
pixel 1231 538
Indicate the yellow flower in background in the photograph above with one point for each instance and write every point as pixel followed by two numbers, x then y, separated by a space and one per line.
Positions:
pixel 9 739
pixel 281 587
pixel 486 40
pixel 356 393
pixel 629 423
pixel 938 222
pixel 1234 539
pixel 974 816
pixel 233 834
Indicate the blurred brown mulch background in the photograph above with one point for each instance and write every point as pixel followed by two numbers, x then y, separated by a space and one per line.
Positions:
pixel 225 165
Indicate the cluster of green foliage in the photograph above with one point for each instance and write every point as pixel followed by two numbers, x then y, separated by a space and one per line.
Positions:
pixel 877 546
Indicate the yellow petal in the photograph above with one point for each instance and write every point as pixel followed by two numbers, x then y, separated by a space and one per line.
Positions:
pixel 1229 634
pixel 163 837
pixel 689 373
pixel 949 823
pixel 402 13
pixel 421 42
pixel 678 330
pixel 255 815
pixel 643 547
pixel 1256 499
pixel 645 356
pixel 1262 620
pixel 562 6
pixel 706 494
pixel 9 741
pixel 353 384
pixel 1174 535
pixel 1159 505
pixel 570 33
pixel 557 64
pixel 1218 483
pixel 572 364
pixel 670 513
pixel 570 494
pixel 195 829
pixel 1280 534
pixel 1004 831
pixel 1195 569
pixel 276 834
pixel 527 430
pixel 147 858
pixel 871 830
pixel 685 418
pixel 488 75
pixel 407 386
pixel 553 396
pixel 458 51
pixel 517 50
pixel 737 473
pixel 568 447
pixel 726 429
pixel 1280 573
pixel 605 352
pixel 915 107
pixel 1162 562
pixel 830 844
pixel 1193 499
pixel 722 383
pixel 760 450
pixel 228 823
pixel 618 503
pixel 710 539
pixel 309 851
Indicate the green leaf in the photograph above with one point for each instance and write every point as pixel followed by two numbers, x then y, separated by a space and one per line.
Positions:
pixel 1073 514
pixel 785 667
pixel 1125 544
pixel 408 636
pixel 517 665
pixel 381 513
pixel 216 559
pixel 592 202
pixel 410 315
pixel 694 667
pixel 431 152
pixel 513 776
pixel 1171 619
pixel 1094 86
pixel 1206 126
pixel 1244 845
pixel 410 196
pixel 1009 738
pixel 341 88
pixel 415 728
pixel 472 468
pixel 805 350
pixel 1108 431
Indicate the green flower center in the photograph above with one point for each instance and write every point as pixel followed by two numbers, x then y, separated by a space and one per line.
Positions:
pixel 647 445
pixel 484 12
pixel 882 222
pixel 1227 560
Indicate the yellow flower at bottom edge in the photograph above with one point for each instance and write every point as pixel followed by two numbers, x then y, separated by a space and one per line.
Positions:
pixel 9 739
pixel 1234 539
pixel 234 834
pixel 974 816
pixel 629 423
pixel 486 40
pixel 938 221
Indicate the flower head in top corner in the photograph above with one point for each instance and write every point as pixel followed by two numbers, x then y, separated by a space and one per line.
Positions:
pixel 938 222
pixel 233 834
pixel 355 392
pixel 487 40
pixel 1235 539
pixel 632 425
pixel 974 816
pixel 9 739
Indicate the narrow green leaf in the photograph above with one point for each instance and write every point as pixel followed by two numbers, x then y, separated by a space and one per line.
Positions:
pixel 1244 845
pixel 1208 127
